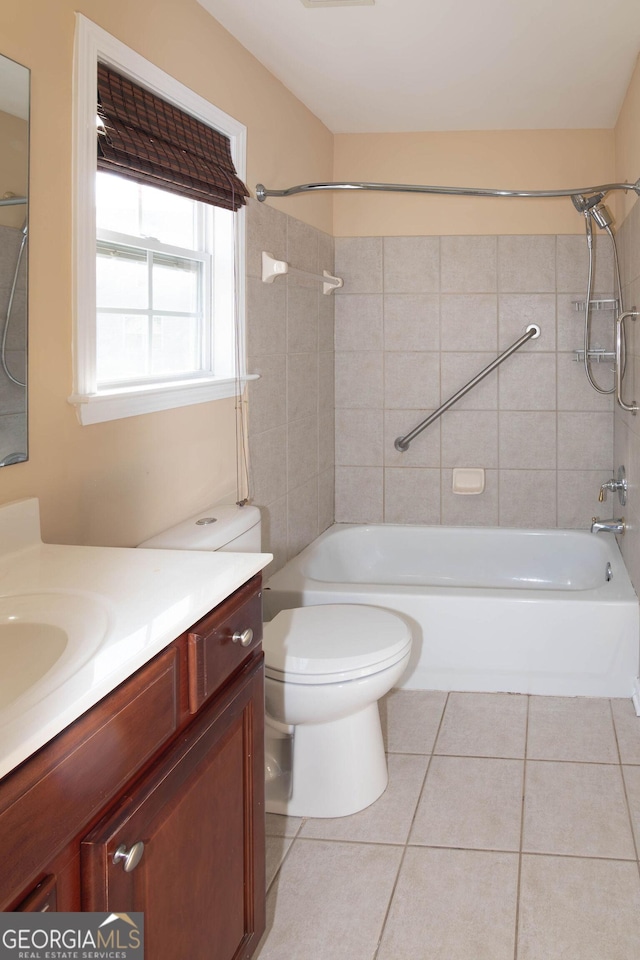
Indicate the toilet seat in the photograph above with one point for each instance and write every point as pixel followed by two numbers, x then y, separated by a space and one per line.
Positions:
pixel 330 643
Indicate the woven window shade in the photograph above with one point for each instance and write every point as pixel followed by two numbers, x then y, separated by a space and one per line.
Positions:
pixel 151 141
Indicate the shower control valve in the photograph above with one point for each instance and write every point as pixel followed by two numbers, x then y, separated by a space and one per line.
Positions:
pixel 619 485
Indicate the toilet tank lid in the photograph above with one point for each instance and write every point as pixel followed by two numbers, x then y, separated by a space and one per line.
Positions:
pixel 211 529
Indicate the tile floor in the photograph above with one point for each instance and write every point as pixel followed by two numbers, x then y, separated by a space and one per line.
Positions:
pixel 509 831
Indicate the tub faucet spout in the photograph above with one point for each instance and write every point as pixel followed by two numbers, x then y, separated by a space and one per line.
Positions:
pixel 608 526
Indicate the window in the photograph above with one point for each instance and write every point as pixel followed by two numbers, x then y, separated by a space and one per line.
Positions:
pixel 164 292
pixel 157 302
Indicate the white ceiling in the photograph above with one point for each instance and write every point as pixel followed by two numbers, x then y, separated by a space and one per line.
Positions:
pixel 408 65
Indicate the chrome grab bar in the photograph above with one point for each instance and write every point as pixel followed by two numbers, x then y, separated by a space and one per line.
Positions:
pixel 632 315
pixel 531 333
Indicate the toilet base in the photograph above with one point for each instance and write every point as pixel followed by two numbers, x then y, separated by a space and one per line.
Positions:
pixel 338 768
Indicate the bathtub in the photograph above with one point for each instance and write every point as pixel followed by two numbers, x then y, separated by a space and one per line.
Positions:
pixel 523 611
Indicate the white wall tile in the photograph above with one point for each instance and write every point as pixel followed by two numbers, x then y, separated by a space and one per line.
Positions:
pixel 528 441
pixel 585 441
pixel 468 264
pixel 267 396
pixel 411 380
pixel 469 439
pixel 528 498
pixel 359 494
pixel 302 318
pixel 457 369
pixel 411 495
pixel 302 451
pixel 358 322
pixel 359 263
pixel 411 264
pixel 302 385
pixel 411 321
pixel 359 438
pixel 527 264
pixel 528 382
pixel 469 321
pixel 424 451
pixel 517 311
pixel 359 379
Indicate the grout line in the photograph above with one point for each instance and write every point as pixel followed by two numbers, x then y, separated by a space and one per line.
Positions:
pixel 624 785
pixel 288 851
pixel 486 756
pixel 406 844
pixel 522 812
pixel 443 846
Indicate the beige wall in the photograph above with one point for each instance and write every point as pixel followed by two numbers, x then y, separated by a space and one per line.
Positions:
pixel 14 145
pixel 627 144
pixel 119 482
pixel 519 159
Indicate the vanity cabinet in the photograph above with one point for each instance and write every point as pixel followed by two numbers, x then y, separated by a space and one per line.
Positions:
pixel 172 761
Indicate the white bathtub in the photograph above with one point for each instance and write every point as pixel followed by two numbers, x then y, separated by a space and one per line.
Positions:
pixel 521 611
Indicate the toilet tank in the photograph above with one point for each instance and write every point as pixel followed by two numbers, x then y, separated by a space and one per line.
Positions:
pixel 224 526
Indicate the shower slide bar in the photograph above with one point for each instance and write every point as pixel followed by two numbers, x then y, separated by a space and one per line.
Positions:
pixel 262 192
pixel 619 369
pixel 532 332
pixel 12 201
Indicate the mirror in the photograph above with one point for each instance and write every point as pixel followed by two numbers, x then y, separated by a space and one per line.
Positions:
pixel 14 182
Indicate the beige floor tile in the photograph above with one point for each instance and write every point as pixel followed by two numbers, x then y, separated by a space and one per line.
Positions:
pixel 632 783
pixel 483 725
pixel 628 730
pixel 276 851
pixel 410 719
pixel 470 802
pixel 578 909
pixel 576 808
pixel 329 901
pixel 571 728
pixel 452 905
pixel 278 825
pixel 388 820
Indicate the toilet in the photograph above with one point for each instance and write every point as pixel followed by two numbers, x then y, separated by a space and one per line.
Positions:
pixel 326 667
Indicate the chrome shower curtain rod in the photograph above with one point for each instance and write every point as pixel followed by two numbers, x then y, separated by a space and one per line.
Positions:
pixel 262 192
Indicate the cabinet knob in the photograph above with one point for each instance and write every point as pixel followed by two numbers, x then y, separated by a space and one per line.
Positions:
pixel 243 638
pixel 129 858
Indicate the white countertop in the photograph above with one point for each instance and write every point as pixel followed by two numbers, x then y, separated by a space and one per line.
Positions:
pixel 149 597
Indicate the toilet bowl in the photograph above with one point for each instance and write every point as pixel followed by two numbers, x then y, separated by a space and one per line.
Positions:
pixel 326 667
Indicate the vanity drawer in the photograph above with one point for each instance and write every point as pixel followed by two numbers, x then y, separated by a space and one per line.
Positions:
pixel 223 640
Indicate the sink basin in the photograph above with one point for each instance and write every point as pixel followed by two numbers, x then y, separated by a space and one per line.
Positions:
pixel 28 651
pixel 44 639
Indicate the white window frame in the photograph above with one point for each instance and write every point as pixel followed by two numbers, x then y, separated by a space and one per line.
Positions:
pixel 93 45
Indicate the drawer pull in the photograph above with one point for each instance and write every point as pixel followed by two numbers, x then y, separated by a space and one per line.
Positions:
pixel 244 638
pixel 130 858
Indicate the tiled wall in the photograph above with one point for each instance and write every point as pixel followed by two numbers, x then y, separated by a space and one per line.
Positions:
pixel 13 425
pixel 627 426
pixel 418 317
pixel 290 330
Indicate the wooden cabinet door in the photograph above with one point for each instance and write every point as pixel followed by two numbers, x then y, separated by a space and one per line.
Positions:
pixel 200 814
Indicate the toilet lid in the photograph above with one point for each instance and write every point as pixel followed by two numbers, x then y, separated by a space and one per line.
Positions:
pixel 333 639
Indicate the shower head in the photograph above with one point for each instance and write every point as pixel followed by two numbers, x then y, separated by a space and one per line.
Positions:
pixel 584 204
pixel 594 207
